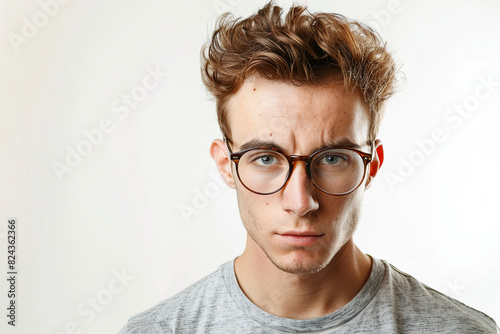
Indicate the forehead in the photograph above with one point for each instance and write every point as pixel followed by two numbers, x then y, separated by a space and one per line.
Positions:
pixel 297 118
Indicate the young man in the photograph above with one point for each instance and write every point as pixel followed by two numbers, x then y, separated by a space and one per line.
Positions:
pixel 299 101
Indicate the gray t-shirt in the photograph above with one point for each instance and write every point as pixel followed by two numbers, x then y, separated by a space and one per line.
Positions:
pixel 390 302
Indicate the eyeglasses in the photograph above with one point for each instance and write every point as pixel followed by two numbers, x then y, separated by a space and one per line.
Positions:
pixel 336 170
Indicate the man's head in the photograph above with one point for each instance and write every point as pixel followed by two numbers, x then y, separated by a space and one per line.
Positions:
pixel 296 86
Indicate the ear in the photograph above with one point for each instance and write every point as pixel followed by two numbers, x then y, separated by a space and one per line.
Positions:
pixel 218 152
pixel 376 163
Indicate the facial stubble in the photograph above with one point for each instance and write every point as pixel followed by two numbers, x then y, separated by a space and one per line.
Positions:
pixel 341 232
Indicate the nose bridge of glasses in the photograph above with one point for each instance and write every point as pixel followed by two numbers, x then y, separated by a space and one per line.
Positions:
pixel 297 158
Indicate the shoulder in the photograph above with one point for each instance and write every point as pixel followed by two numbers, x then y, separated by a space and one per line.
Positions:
pixel 417 303
pixel 183 307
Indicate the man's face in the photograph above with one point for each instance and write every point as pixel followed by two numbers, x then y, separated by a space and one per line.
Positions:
pixel 299 120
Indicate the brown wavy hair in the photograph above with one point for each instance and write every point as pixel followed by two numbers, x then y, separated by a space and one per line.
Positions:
pixel 301 48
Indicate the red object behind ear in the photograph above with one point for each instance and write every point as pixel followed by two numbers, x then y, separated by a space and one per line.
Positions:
pixel 380 154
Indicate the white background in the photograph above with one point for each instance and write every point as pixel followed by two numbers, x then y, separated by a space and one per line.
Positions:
pixel 432 212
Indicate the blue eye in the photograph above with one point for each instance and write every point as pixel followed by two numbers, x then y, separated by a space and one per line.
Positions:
pixel 332 159
pixel 266 160
pixel 263 158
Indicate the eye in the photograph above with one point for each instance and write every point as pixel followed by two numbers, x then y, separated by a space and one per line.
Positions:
pixel 332 159
pixel 266 160
pixel 263 158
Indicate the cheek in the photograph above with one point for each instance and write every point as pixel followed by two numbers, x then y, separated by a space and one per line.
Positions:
pixel 256 211
pixel 353 212
pixel 342 210
pixel 248 206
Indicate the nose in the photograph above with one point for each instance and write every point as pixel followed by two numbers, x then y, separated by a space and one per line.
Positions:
pixel 298 194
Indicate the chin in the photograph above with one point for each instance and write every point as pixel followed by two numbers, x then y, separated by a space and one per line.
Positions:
pixel 300 261
pixel 299 268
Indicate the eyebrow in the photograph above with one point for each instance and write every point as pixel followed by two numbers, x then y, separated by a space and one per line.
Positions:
pixel 342 142
pixel 260 143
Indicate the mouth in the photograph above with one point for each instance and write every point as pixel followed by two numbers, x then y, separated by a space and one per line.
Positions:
pixel 299 238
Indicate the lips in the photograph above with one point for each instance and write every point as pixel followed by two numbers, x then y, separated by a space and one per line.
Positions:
pixel 301 233
pixel 299 238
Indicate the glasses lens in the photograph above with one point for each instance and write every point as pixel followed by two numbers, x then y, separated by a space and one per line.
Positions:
pixel 263 171
pixel 337 171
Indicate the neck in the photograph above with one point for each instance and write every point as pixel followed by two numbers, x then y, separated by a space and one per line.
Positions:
pixel 302 296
